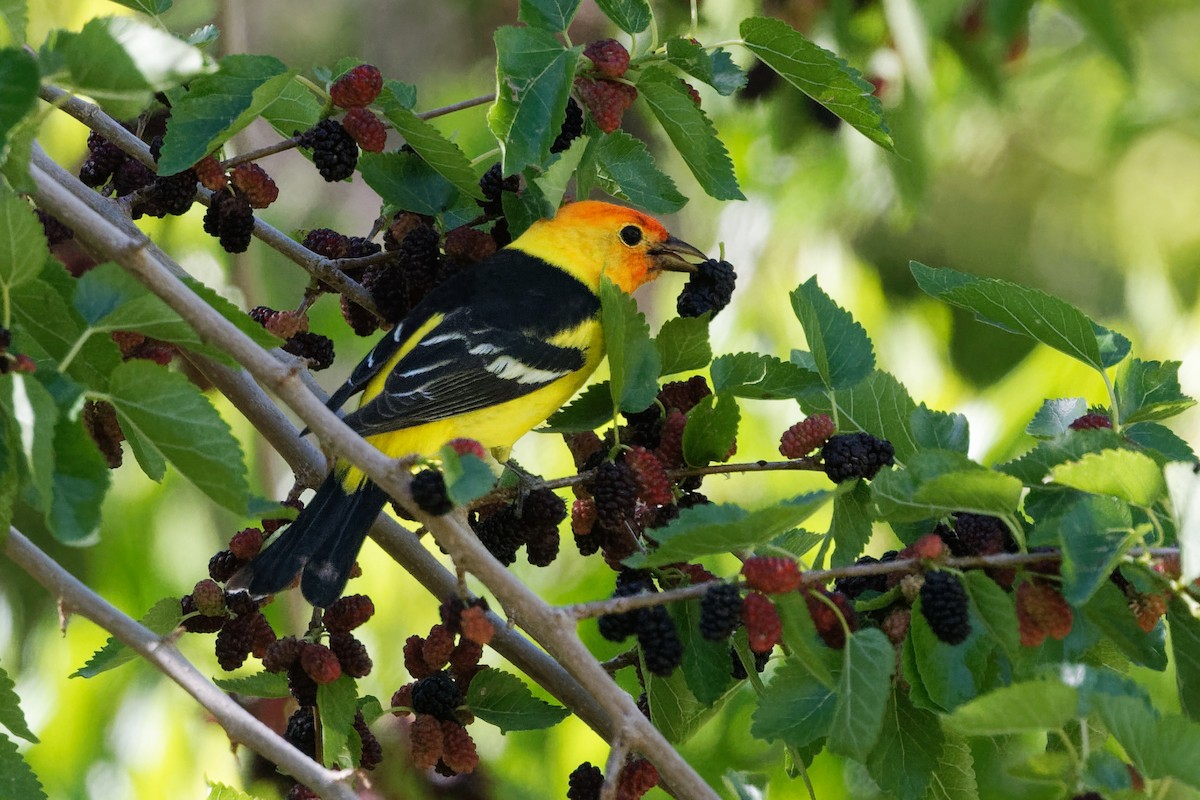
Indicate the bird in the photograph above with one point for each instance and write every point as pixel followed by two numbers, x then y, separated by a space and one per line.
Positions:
pixel 487 355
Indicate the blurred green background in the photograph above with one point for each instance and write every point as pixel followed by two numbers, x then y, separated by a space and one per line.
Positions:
pixel 1048 153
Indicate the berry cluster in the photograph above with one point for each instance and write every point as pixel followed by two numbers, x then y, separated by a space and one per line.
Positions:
pixel 531 521
pixel 849 456
pixel 709 288
pixel 334 151
pixel 136 345
pixel 314 348
pixel 660 645
pixel 1042 612
pixel 945 606
pixel 605 100
pixel 637 776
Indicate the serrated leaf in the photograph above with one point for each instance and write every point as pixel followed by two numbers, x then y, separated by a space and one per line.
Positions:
pixel 1183 486
pixel 151 7
pixel 11 716
pixel 1019 708
pixel 240 319
pixel 940 430
pixel 18 88
pixel 631 16
pixel 503 700
pixel 203 36
pixel 674 709
pixel 626 170
pixel 524 209
pixel 121 61
pixel 1124 474
pixel 533 80
pixel 880 405
pixel 1108 610
pixel 1033 467
pixel 850 526
pixel 954 778
pixel 1185 653
pixel 25 400
pixel 950 674
pixel 406 181
pixel 23 247
pixel 1102 18
pixel 296 108
pixel 1149 390
pixel 690 130
pixel 795 708
pixel 818 73
pixel 800 638
pixel 1028 312
pixel 716 68
pixel 215 107
pixel 1159 748
pixel 908 751
pixel 682 344
pixel 260 684
pixel 1105 771
pixel 46 322
pixel 711 430
pixel 633 362
pixel 1159 441
pixel 995 609
pixel 761 377
pixel 553 15
pixel 721 528
pixel 1094 533
pixel 337 702
pixel 467 476
pixel 16 778
pixel 178 422
pixel 557 175
pixel 863 689
pixel 13 20
pixel 587 412
pixel 935 483
pixel 840 347
pixel 162 618
pixel 443 155
pixel 1054 418
pixel 80 482
pixel 705 665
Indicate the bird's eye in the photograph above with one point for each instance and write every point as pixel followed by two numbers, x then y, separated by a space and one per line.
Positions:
pixel 631 235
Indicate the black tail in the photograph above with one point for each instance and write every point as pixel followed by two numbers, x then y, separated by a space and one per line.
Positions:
pixel 322 543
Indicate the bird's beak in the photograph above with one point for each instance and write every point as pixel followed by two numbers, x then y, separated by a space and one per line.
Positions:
pixel 676 255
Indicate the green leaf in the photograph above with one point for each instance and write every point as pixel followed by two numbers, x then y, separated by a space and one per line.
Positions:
pixel 467 477
pixel 1183 486
pixel 690 130
pixel 674 709
pixel 81 480
pixel 1018 708
pixel 587 412
pixel 682 344
pixel 1103 20
pixel 851 524
pixel 1054 418
pixel 16 778
pixel 626 170
pixel 1033 467
pixel 863 691
pixel 795 708
pixel 178 422
pixel 121 61
pixel 716 68
pixel 1094 534
pixel 1028 312
pixel 996 611
pixel 440 153
pixel 1149 390
pixel 26 400
pixel 162 618
pixel 11 716
pixel 1185 652
pixel 47 323
pixel 555 179
pixel 940 430
pixel 406 180
pixel 880 405
pixel 631 16
pixel 503 700
pixel 935 483
pixel 633 362
pixel 839 345
pixel 1108 610
pixel 1159 748
pixel 296 108
pixel 908 751
pixel 761 377
pixel 1106 772
pixel 1124 474
pixel 240 319
pixel 949 673
pixel 215 107
pixel 260 684
pixel 524 209
pixel 533 80
pixel 819 74
pixel 721 528
pixel 23 247
pixel 18 88
pixel 219 791
pixel 705 663
pixel 151 7
pixel 711 430
pixel 553 15
pixel 337 702
pixel 954 778
pixel 13 21
pixel 1162 443
pixel 800 637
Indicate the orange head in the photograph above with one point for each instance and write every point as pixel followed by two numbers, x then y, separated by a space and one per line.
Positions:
pixel 590 239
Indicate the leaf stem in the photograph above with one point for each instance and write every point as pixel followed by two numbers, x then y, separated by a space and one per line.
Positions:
pixel 74 351
pixel 495 151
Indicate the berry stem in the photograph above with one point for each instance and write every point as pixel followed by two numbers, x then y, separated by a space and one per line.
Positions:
pixel 281 146
pixel 459 106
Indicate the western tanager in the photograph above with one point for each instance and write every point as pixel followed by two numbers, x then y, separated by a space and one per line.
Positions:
pixel 487 355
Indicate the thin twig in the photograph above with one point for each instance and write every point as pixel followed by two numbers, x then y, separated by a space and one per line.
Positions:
pixel 282 146
pixel 612 769
pixel 483 99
